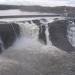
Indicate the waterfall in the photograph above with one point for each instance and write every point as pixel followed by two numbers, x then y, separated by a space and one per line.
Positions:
pixel 49 43
pixel 32 31
pixel 1 45
pixel 71 33
pixel 28 30
pixel 29 37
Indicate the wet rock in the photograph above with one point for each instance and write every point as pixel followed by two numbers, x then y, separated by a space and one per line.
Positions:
pixel 37 22
pixel 8 33
pixel 58 35
pixel 42 35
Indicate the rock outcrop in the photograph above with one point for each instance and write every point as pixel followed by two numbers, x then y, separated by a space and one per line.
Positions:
pixel 58 35
pixel 8 33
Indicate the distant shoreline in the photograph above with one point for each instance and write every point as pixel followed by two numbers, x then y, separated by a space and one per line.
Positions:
pixel 26 16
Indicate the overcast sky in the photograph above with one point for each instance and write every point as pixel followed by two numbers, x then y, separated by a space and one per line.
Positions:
pixel 40 2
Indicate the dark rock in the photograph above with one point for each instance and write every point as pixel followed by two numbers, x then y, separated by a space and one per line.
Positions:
pixel 58 35
pixel 29 22
pixel 8 33
pixel 42 35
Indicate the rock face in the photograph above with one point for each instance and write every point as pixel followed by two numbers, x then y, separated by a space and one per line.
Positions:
pixel 58 35
pixel 42 29
pixel 37 22
pixel 8 33
pixel 42 35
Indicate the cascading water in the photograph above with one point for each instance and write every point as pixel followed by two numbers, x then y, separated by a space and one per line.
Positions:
pixel 1 45
pixel 49 43
pixel 29 38
pixel 28 30
pixel 71 33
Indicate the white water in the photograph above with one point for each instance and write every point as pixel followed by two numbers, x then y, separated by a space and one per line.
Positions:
pixel 47 36
pixel 29 38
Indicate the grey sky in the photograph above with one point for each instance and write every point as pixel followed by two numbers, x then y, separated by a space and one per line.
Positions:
pixel 40 2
